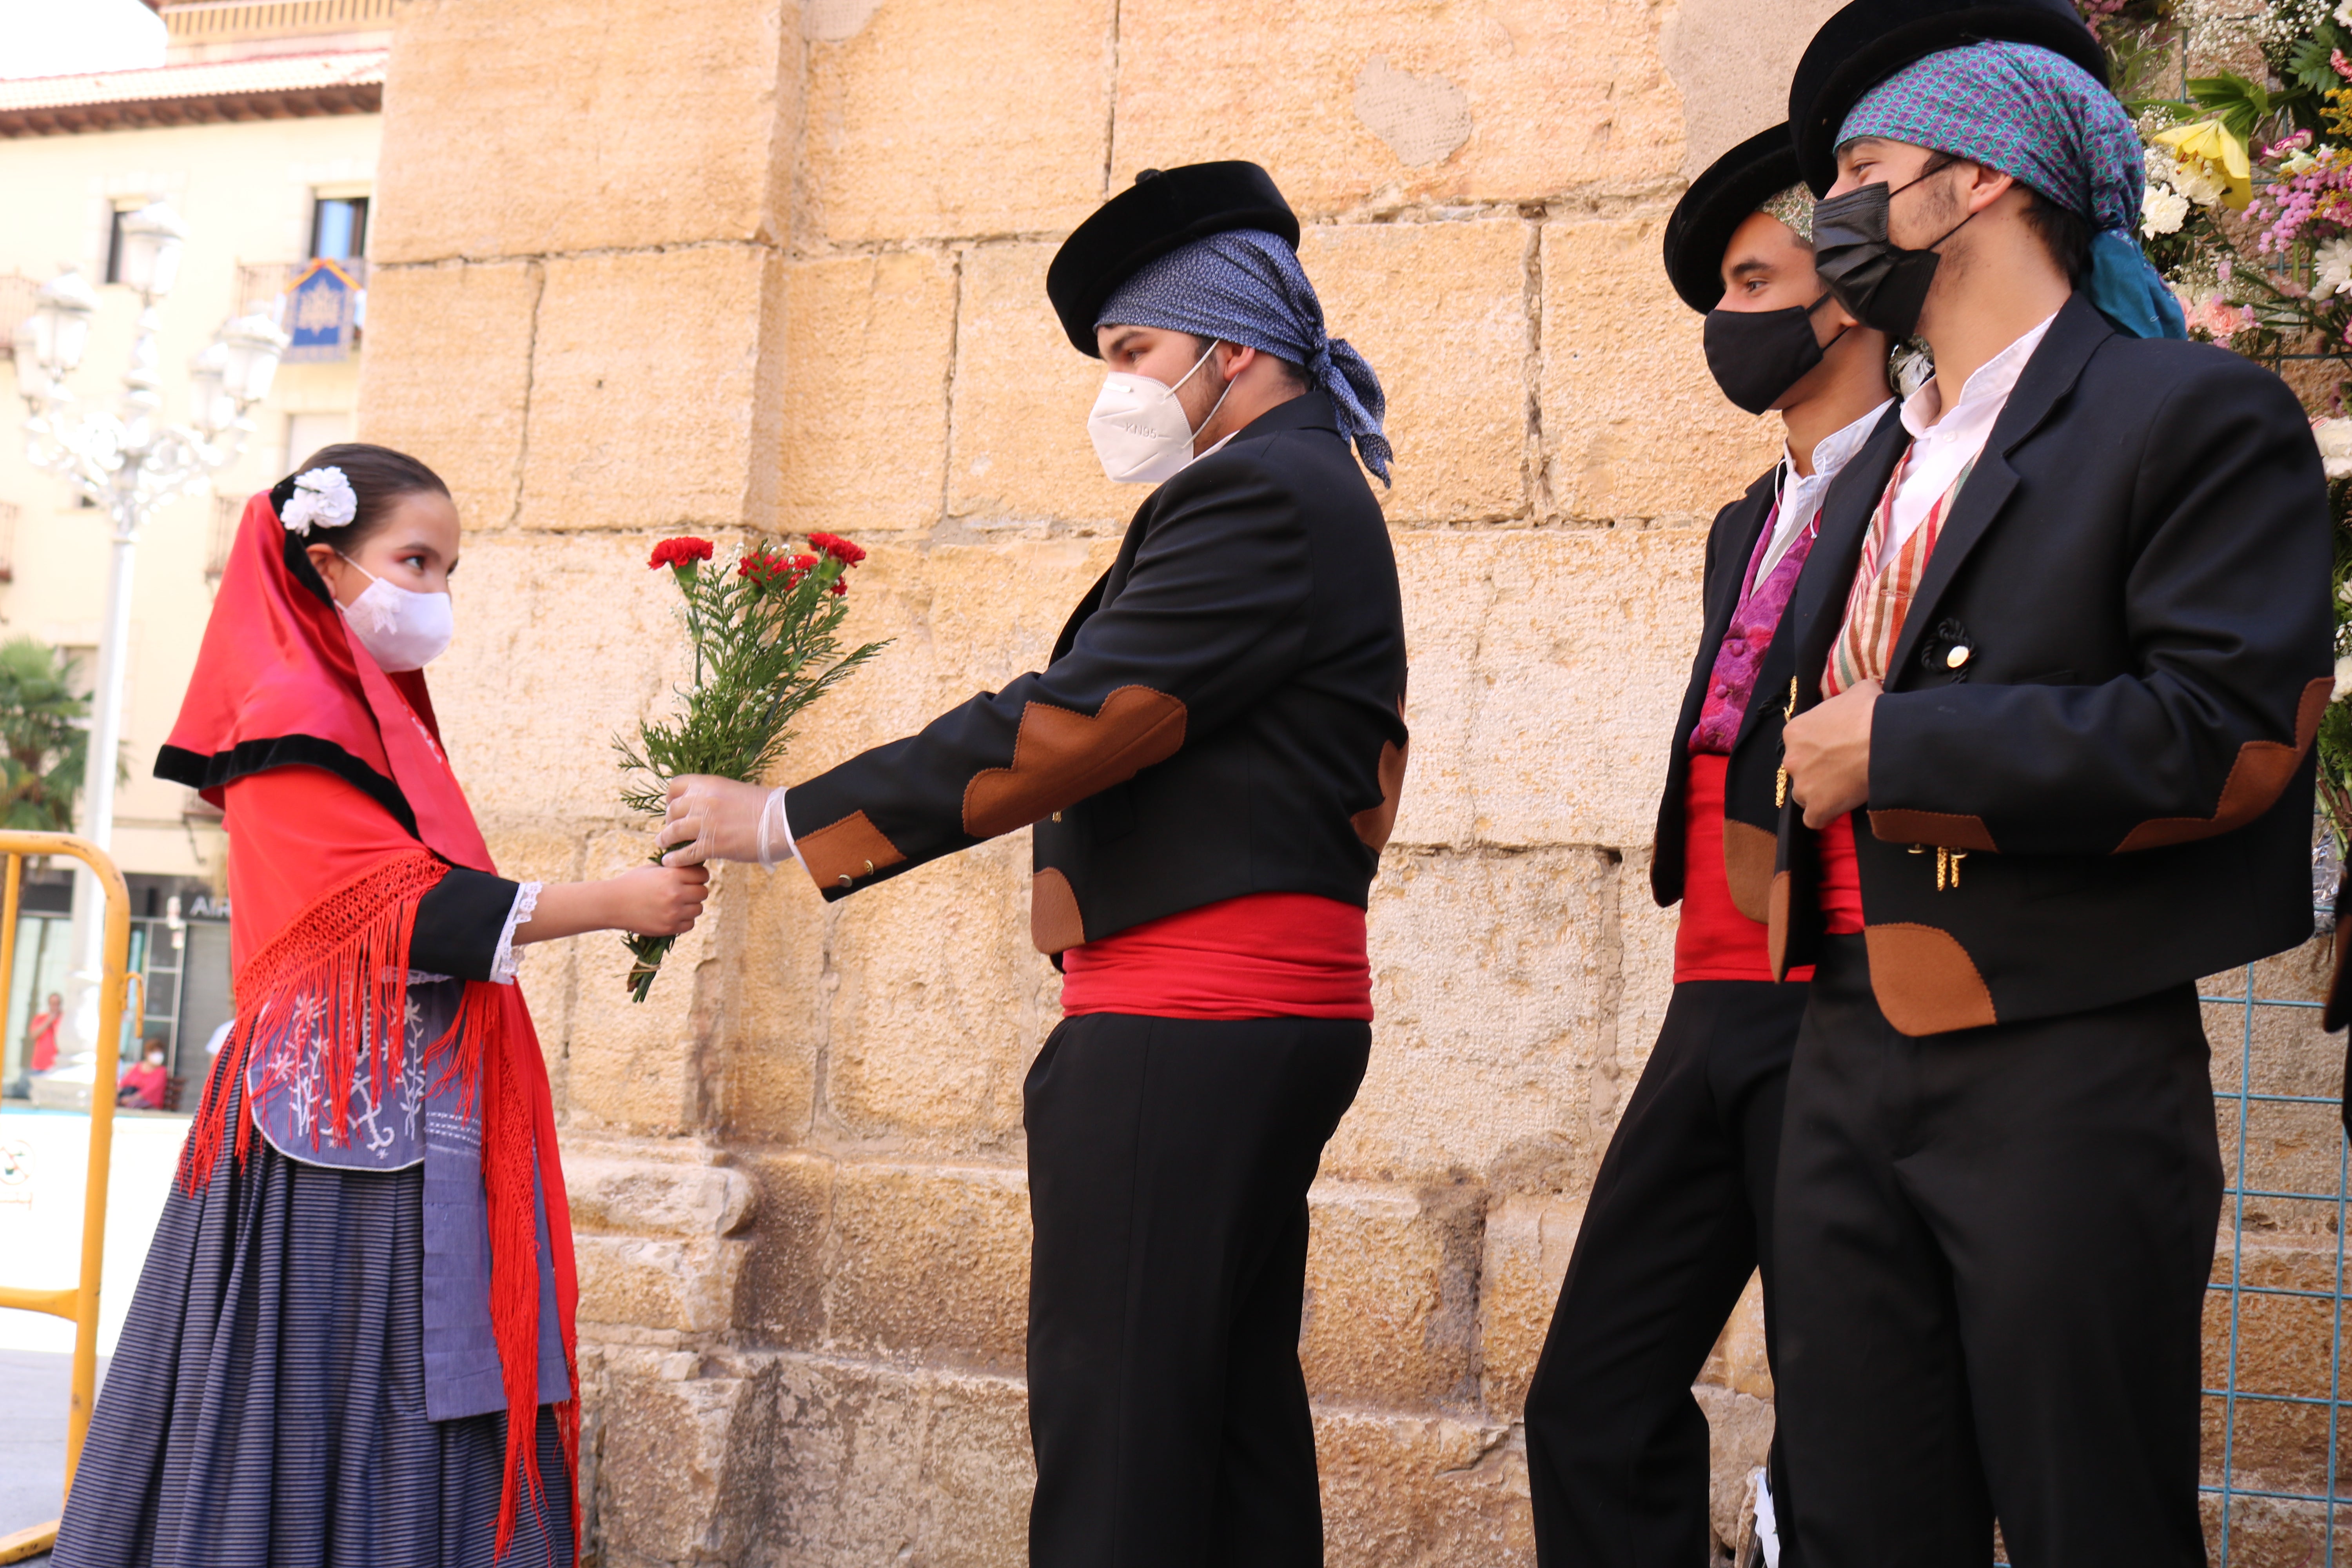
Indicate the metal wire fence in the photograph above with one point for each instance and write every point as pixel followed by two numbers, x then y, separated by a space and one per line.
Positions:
pixel 2274 1376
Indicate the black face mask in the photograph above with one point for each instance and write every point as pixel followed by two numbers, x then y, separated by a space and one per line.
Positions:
pixel 1880 283
pixel 1758 356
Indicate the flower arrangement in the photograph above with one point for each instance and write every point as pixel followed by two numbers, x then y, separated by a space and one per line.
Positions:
pixel 765 643
pixel 2248 214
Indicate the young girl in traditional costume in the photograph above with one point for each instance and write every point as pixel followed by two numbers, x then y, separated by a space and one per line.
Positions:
pixel 353 1340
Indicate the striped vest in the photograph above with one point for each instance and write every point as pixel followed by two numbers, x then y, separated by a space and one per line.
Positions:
pixel 1881 596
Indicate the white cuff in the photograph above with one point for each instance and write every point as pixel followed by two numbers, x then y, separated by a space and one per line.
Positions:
pixel 505 962
pixel 776 834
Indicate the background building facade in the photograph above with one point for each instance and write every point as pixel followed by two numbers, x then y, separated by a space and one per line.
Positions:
pixel 261 130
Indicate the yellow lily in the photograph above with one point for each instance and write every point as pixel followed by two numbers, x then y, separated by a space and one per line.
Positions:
pixel 2209 142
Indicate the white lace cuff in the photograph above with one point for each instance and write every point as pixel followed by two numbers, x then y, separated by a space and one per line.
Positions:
pixel 776 834
pixel 504 962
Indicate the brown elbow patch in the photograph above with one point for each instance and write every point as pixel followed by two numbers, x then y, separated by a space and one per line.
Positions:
pixel 844 853
pixel 1061 757
pixel 1375 822
pixel 1925 981
pixel 1947 829
pixel 2256 780
pixel 1776 921
pixel 1747 855
pixel 1054 924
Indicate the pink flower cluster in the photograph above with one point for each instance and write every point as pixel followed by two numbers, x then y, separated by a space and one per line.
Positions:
pixel 2296 203
pixel 2218 319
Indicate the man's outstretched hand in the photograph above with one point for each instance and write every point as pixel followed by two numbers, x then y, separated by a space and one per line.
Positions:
pixel 711 818
pixel 1827 753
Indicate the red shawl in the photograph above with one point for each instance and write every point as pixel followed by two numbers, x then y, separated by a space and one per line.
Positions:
pixel 281 684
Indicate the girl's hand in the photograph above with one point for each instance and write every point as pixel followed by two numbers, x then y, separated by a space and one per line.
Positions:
pixel 657 901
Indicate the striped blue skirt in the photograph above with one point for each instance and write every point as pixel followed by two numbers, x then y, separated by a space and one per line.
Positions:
pixel 265 1407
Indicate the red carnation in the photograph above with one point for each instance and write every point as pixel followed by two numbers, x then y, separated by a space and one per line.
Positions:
pixel 805 563
pixel 680 553
pixel 841 584
pixel 770 570
pixel 840 549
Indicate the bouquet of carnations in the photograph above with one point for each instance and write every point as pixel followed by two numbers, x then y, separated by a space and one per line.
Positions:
pixel 764 643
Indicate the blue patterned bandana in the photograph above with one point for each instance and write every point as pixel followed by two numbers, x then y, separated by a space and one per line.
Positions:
pixel 2024 111
pixel 1246 286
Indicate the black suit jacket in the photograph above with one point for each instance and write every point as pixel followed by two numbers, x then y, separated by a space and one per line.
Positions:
pixel 1751 812
pixel 2137 569
pixel 1224 715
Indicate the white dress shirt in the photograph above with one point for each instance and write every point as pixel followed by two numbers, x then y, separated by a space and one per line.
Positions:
pixel 1800 494
pixel 1944 442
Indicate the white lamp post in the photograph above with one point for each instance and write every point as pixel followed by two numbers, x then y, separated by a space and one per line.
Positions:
pixel 130 462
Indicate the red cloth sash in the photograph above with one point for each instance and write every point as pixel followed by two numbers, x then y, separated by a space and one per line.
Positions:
pixel 1265 955
pixel 1840 879
pixel 325 886
pixel 1715 941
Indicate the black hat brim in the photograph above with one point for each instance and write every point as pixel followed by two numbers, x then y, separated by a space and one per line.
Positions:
pixel 1717 204
pixel 1163 209
pixel 1870 40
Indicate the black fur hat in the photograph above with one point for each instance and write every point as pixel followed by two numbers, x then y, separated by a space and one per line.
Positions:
pixel 1163 209
pixel 1870 40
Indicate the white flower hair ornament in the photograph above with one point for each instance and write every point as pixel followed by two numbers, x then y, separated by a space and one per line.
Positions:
pixel 322 498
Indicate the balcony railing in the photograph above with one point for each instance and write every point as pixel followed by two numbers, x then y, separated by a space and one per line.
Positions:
pixel 16 292
pixel 227 510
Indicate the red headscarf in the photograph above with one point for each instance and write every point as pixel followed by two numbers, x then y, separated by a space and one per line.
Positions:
pixel 282 682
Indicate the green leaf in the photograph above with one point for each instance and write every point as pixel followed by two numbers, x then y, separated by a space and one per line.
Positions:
pixel 2311 63
pixel 2237 103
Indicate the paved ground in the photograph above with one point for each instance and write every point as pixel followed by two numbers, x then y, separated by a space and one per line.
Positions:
pixel 32 1436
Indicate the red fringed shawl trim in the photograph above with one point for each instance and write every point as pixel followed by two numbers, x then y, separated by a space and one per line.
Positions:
pixel 338 972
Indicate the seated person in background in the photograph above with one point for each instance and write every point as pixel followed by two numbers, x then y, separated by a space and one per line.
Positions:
pixel 41 1035
pixel 143 1086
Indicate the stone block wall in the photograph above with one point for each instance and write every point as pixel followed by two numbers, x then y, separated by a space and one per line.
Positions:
pixel 745 268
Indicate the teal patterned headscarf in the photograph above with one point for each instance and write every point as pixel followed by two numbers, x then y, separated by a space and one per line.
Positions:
pixel 2024 111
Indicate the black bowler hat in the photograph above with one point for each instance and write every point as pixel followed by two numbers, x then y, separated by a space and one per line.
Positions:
pixel 1163 209
pixel 1870 40
pixel 1717 204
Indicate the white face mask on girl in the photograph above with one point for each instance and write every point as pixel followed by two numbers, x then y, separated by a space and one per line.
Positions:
pixel 401 629
pixel 1138 426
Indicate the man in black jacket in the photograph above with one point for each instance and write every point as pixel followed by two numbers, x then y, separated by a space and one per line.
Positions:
pixel 1681 1210
pixel 1210 761
pixel 2062 650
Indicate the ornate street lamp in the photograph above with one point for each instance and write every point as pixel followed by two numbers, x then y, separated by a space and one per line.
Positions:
pixel 128 461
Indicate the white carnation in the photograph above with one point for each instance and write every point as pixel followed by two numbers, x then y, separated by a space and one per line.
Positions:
pixel 2335 440
pixel 2332 263
pixel 2344 14
pixel 2343 677
pixel 321 498
pixel 2163 209
pixel 2200 185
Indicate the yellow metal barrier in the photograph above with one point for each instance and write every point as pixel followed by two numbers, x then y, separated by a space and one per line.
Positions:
pixel 115 991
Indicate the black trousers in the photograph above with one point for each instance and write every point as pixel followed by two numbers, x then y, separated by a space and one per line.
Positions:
pixel 1993 1249
pixel 1681 1214
pixel 1169 1162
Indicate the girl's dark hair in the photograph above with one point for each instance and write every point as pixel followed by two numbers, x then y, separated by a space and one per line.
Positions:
pixel 379 476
